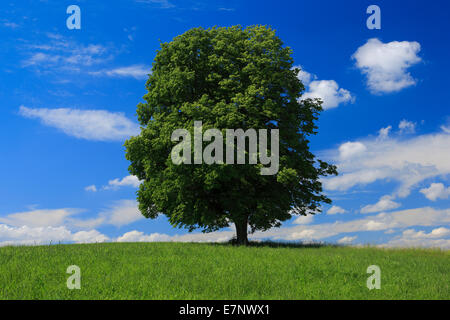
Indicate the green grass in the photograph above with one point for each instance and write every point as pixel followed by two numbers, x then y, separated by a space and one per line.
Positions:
pixel 214 271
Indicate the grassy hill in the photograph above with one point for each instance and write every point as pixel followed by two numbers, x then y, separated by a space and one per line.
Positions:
pixel 218 271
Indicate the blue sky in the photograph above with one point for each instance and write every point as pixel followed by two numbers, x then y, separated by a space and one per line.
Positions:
pixel 69 99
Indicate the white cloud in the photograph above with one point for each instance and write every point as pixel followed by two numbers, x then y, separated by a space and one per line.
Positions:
pixel 130 180
pixel 383 221
pixel 386 64
pixel 305 77
pixel 417 243
pixel 436 191
pixel 329 92
pixel 406 160
pixel 39 218
pixel 121 213
pixel 138 236
pixel 61 54
pixel 411 238
pixel 97 125
pixel 426 217
pixel 89 237
pixel 384 204
pixel 383 133
pixel 304 219
pixel 335 210
pixel 351 149
pixel 307 234
pixel 406 126
pixel 25 235
pixel 435 233
pixel 347 240
pixel 135 71
pixel 91 188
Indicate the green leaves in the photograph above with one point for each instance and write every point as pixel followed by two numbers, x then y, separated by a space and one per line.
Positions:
pixel 228 78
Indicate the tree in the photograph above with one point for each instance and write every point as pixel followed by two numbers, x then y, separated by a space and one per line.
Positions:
pixel 228 78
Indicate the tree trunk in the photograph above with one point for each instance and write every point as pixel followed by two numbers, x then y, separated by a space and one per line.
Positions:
pixel 241 232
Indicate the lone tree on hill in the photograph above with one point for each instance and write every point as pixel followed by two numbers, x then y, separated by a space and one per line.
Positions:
pixel 227 78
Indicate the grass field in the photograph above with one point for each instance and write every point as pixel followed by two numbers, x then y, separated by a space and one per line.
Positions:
pixel 217 271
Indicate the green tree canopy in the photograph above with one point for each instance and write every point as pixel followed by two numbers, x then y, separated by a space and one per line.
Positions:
pixel 228 78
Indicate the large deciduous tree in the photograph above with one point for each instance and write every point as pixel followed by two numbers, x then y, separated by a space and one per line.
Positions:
pixel 228 78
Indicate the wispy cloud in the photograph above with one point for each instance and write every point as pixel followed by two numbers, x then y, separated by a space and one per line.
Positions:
pixel 226 9
pixel 163 4
pixel 62 54
pixel 11 25
pixel 135 71
pixel 384 204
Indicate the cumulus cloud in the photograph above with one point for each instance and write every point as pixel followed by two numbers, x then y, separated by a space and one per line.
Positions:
pixel 330 93
pixel 89 237
pixel 121 213
pixel 435 233
pixel 128 181
pixel 39 218
pixel 384 204
pixel 305 77
pixel 411 238
pixel 386 64
pixel 25 235
pixel 304 219
pixel 335 210
pixel 351 149
pixel 138 236
pixel 404 159
pixel 425 216
pixel 383 221
pixel 96 125
pixel 347 240
pixel 436 191
pixel 327 90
